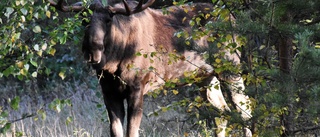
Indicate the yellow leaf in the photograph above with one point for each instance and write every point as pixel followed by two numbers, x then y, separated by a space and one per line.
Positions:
pixel 48 14
pixel 39 53
pixel 185 10
pixel 62 75
pixel 175 92
pixel 52 51
pixel 184 19
pixel 218 60
pixel 165 92
pixel 229 37
pixel 20 64
pixel 164 109
pixel 207 16
pixel 198 105
pixel 219 45
pixel 23 71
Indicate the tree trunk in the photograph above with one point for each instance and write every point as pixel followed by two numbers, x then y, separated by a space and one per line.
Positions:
pixel 285 58
pixel 285 55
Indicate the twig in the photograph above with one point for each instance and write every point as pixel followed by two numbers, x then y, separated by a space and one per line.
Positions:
pixel 22 118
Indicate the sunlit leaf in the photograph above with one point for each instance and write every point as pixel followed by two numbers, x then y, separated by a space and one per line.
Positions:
pixel 44 46
pixel 52 51
pixel 24 11
pixel 34 74
pixel 17 2
pixel 19 64
pixel 164 109
pixel 36 29
pixel 36 47
pixel 9 11
pixel 23 19
pixel 175 92
pixel 8 71
pixel 48 13
pixel 69 120
pixel 36 15
pixel 14 104
pixel 62 75
pixel 229 37
pixel 217 60
pixel 23 71
pixel 219 45
pixel 39 53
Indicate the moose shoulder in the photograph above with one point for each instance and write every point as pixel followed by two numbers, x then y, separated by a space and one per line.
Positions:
pixel 114 37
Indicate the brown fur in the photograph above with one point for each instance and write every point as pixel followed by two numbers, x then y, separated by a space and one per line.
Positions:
pixel 111 43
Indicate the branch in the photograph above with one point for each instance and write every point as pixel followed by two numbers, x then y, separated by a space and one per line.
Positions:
pixel 305 129
pixel 22 118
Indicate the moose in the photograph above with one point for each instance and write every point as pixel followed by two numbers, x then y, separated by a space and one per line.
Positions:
pixel 114 36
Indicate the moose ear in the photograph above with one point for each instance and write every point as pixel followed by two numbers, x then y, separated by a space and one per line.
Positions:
pixel 111 10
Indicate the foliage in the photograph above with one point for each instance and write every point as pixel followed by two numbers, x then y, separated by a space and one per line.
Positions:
pixel 283 100
pixel 34 50
pixel 29 36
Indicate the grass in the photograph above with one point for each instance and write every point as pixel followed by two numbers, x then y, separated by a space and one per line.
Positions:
pixel 87 117
pixel 84 118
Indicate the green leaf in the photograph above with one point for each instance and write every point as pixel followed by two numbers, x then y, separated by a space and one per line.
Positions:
pixel 153 54
pixel 99 105
pixel 138 54
pixel 191 23
pixel 8 71
pixel 14 104
pixel 5 128
pixel 104 3
pixel 63 39
pixel 47 71
pixel 34 63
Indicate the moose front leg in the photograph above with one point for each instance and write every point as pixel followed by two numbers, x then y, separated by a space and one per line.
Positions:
pixel 135 102
pixel 116 114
